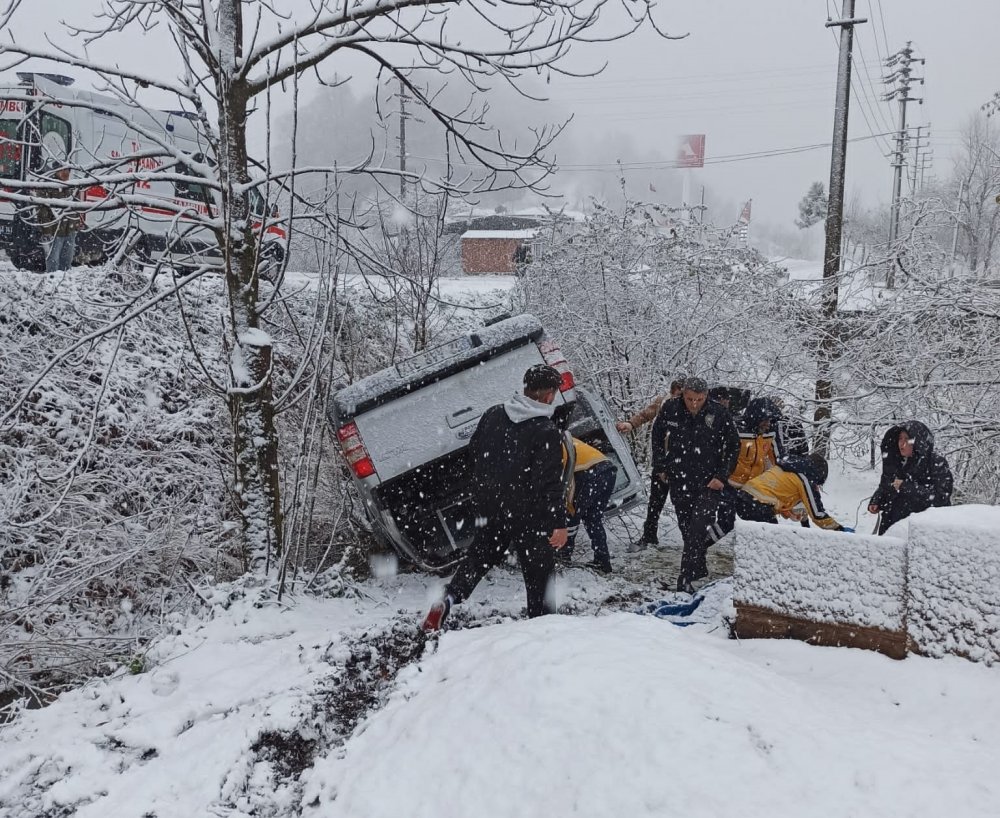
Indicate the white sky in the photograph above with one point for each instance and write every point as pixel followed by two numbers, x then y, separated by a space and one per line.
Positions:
pixel 752 76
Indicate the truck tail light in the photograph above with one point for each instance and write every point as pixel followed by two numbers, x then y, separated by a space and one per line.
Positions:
pixel 355 451
pixel 553 357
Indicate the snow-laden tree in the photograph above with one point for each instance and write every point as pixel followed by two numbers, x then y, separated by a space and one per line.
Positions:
pixel 812 207
pixel 974 185
pixel 635 303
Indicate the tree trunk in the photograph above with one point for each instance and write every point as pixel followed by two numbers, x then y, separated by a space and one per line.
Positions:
pixel 251 408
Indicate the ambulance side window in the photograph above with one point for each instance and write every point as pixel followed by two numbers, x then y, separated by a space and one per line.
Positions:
pixel 257 204
pixel 192 190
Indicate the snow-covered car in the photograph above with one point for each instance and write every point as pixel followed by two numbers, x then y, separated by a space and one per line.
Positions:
pixel 404 432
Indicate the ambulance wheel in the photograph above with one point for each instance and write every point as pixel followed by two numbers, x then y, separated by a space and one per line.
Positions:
pixel 32 262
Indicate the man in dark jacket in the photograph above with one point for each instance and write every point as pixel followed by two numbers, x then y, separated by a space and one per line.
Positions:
pixel 56 224
pixel 515 458
pixel 914 477
pixel 659 490
pixel 695 446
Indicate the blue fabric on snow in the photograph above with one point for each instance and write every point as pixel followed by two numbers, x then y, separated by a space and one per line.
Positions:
pixel 674 611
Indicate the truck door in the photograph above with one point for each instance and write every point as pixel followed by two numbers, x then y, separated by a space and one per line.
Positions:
pixel 49 138
pixel 593 423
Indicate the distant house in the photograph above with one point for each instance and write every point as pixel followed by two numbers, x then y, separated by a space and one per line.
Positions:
pixel 498 251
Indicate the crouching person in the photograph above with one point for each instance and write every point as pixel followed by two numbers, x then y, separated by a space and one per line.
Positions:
pixel 757 455
pixel 794 484
pixel 914 476
pixel 515 458
pixel 592 486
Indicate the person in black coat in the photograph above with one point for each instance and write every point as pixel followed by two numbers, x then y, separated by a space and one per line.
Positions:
pixel 695 446
pixel 518 493
pixel 914 476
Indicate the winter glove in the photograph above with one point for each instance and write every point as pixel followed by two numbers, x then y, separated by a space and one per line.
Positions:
pixel 847 530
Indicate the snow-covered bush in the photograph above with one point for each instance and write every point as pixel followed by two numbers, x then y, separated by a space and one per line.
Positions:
pixel 113 493
pixel 116 496
pixel 635 305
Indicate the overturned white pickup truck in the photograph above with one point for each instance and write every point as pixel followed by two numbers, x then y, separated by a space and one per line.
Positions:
pixel 405 429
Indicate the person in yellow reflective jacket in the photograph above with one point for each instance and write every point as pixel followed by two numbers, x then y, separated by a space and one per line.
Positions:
pixel 590 488
pixel 758 452
pixel 792 489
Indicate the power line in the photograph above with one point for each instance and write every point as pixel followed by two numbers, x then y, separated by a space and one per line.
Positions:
pixel 669 164
pixel 863 96
pixel 743 93
pixel 731 112
pixel 884 120
pixel 784 71
pixel 885 36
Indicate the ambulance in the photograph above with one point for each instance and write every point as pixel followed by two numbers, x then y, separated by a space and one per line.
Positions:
pixel 45 122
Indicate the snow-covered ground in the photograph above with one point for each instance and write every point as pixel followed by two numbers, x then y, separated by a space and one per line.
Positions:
pixel 338 707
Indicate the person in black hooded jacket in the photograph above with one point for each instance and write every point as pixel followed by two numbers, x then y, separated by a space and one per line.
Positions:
pixel 518 493
pixel 914 476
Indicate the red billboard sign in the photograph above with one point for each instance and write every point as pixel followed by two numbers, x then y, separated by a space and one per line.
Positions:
pixel 691 151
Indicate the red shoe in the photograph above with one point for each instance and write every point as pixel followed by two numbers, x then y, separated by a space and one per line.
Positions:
pixel 436 615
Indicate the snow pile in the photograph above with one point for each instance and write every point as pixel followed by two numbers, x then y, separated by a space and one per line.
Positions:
pixel 336 709
pixel 822 576
pixel 209 730
pixel 954 582
pixel 628 715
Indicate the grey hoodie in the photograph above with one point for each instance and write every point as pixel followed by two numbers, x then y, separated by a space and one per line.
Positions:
pixel 520 408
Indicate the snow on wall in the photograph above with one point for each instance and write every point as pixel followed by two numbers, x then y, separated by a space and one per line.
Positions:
pixel 954 582
pixel 822 576
pixel 500 234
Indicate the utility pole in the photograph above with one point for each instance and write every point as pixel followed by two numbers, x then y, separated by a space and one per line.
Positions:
pixel 900 65
pixel 954 235
pixel 834 230
pixel 926 161
pixel 916 162
pixel 403 116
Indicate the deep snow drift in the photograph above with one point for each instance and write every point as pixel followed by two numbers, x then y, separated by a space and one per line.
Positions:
pixel 627 715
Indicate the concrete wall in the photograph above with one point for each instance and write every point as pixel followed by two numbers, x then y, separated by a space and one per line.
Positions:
pixel 935 592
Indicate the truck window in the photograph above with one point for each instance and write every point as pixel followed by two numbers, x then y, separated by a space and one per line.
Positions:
pixel 10 149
